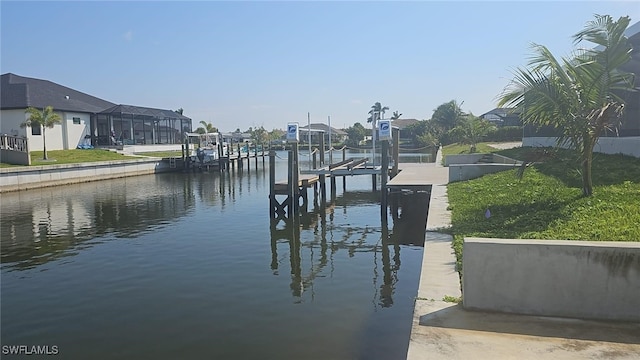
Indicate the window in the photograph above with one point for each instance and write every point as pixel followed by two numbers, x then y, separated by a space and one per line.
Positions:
pixel 36 130
pixel 76 120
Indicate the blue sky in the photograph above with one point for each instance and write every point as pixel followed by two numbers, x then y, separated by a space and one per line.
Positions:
pixel 242 64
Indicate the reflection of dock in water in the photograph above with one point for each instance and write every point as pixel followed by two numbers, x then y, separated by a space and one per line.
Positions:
pixel 305 264
pixel 409 195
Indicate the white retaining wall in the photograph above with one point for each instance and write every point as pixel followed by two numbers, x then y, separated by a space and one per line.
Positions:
pixel 462 172
pixel 131 149
pixel 579 279
pixel 606 145
pixel 12 179
pixel 462 159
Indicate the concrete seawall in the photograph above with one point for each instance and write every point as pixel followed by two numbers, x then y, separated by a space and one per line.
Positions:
pixel 444 330
pixel 14 179
pixel 577 279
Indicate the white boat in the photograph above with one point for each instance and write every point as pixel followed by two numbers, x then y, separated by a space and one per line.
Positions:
pixel 205 149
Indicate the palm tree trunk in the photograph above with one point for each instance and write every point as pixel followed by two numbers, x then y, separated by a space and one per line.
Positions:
pixel 587 184
pixel 587 160
pixel 44 144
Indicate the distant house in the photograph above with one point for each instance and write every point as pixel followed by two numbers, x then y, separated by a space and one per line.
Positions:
pixel 86 119
pixel 503 117
pixel 337 135
pixel 236 137
pixel 402 125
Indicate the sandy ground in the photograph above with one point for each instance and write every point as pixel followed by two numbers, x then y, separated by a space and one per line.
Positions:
pixel 505 145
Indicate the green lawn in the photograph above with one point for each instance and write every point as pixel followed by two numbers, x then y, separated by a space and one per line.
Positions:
pixel 457 149
pixel 547 202
pixel 72 157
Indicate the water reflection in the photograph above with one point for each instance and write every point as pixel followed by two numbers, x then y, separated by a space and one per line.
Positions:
pixel 384 245
pixel 409 211
pixel 196 251
pixel 42 225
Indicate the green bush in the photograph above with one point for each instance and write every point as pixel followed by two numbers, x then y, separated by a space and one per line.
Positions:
pixel 505 133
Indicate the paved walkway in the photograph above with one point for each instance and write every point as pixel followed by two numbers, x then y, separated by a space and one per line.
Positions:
pixel 444 330
pixel 505 145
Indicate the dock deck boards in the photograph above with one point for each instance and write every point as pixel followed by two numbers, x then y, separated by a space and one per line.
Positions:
pixel 415 175
pixel 305 180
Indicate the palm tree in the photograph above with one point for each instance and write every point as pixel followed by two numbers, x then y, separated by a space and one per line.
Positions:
pixel 576 96
pixel 44 119
pixel 377 113
pixel 396 115
pixel 471 130
pixel 447 115
pixel 208 127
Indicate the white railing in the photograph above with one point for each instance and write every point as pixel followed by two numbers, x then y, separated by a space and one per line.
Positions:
pixel 14 143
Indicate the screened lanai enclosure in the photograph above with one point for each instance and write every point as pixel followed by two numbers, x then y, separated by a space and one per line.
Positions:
pixel 136 125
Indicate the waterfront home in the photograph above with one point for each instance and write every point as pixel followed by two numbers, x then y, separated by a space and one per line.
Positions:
pixel 86 119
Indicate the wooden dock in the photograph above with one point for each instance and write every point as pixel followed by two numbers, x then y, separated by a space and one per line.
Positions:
pixel 304 181
pixel 298 180
pixel 414 176
pixel 348 167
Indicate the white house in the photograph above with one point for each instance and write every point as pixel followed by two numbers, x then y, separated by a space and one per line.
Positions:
pixel 86 119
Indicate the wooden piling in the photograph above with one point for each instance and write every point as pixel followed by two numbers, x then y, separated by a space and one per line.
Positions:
pixel 384 173
pixel 323 189
pixel 240 165
pixel 290 188
pixel 314 161
pixel 396 151
pixel 296 187
pixel 321 150
pixel 333 184
pixel 272 184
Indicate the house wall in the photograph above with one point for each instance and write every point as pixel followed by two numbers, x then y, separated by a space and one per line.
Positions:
pixel 54 137
pixel 10 122
pixel 74 133
pixel 66 135
pixel 606 145
pixel 581 279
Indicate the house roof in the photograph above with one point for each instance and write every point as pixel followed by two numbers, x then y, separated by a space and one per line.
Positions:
pixel 144 111
pixel 502 112
pixel 325 128
pixel 19 92
pixel 403 123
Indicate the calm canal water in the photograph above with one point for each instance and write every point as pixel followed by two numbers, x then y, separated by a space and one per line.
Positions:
pixel 187 266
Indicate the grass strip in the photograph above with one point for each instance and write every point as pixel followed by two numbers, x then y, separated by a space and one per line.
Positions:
pixel 72 156
pixel 547 202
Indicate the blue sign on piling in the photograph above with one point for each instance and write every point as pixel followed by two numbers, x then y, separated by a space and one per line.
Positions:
pixel 384 129
pixel 293 133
